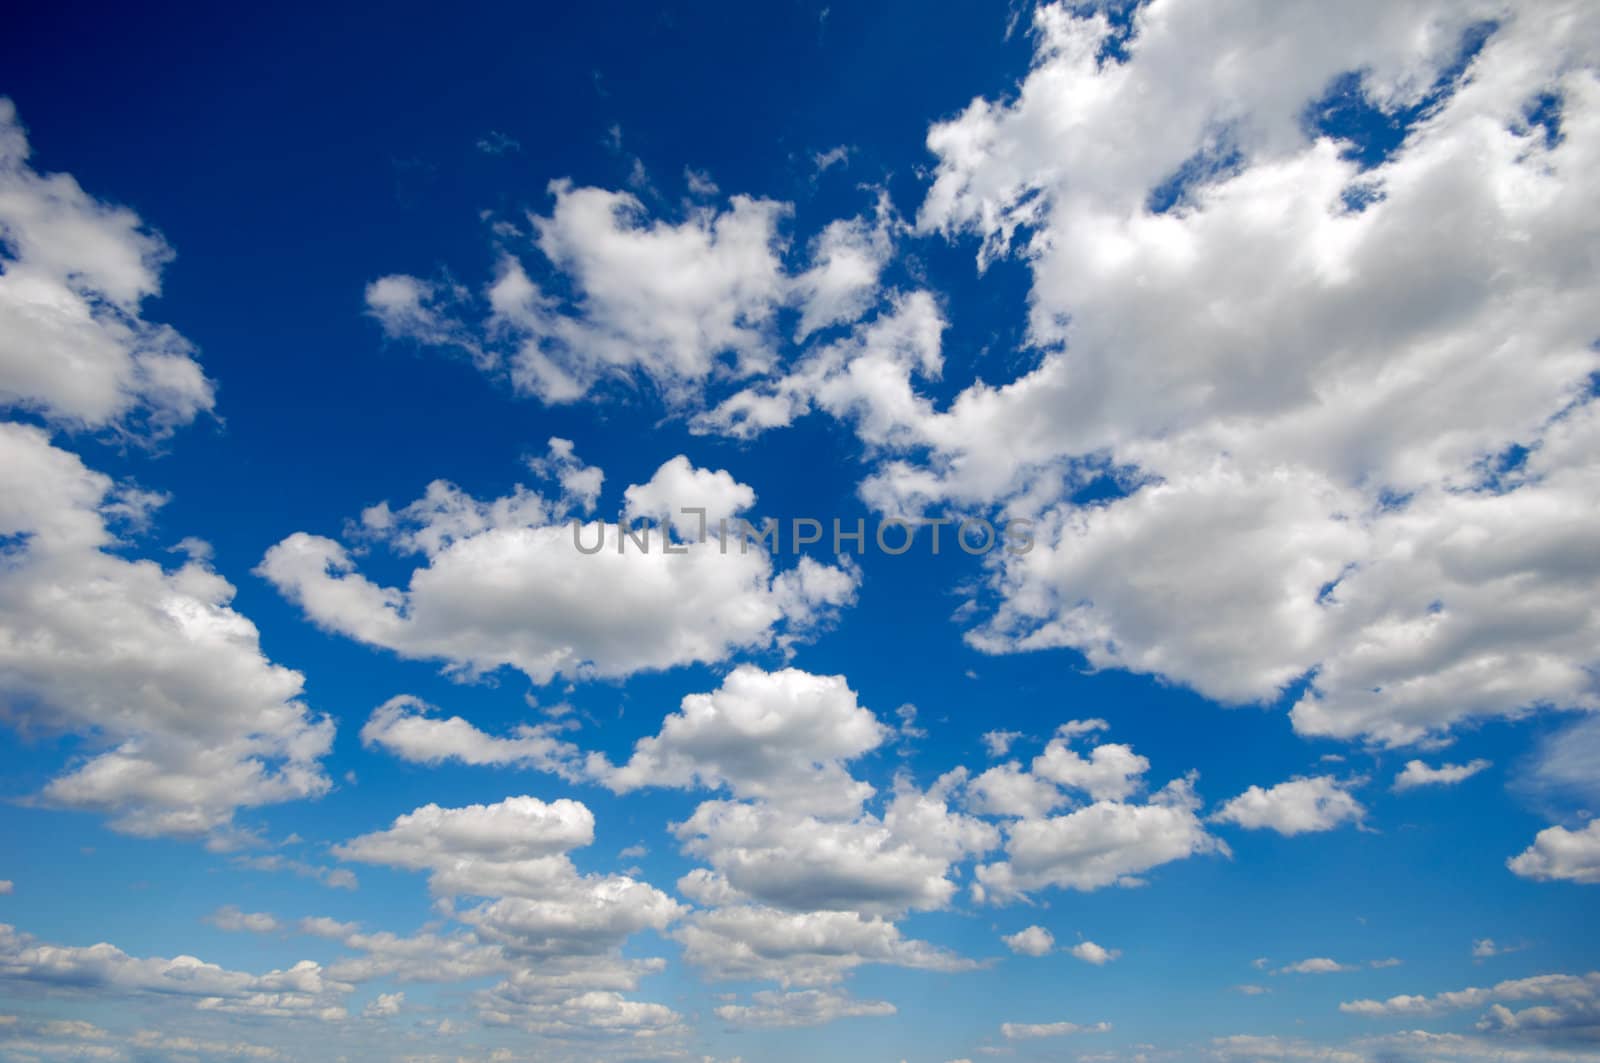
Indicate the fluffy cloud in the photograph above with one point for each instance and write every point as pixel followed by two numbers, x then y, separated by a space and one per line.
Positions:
pixel 807 1007
pixel 876 864
pixel 801 948
pixel 1103 844
pixel 1111 772
pixel 410 729
pixel 1365 401
pixel 74 272
pixel 304 990
pixel 677 485
pixel 783 737
pixel 187 721
pixel 677 303
pixel 1007 790
pixel 1294 807
pixel 865 377
pixel 1559 853
pixel 1416 774
pixel 1098 955
pixel 1030 941
pixel 505 583
pixel 1570 1010
pixel 554 933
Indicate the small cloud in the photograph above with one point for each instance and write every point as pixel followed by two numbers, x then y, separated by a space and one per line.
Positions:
pixel 495 142
pixel 826 160
pixel 999 742
pixel 1251 990
pixel 1315 965
pixel 232 919
pixel 700 183
pixel 1030 941
pixel 1089 952
pixel 1417 774
pixel 385 1005
pixel 1484 948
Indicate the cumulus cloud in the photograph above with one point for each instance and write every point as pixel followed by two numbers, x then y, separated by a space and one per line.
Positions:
pixel 864 377
pixel 1098 955
pixel 74 273
pixel 813 948
pixel 1030 941
pixel 1572 1005
pixel 1295 807
pixel 1416 774
pixel 1558 853
pixel 555 934
pixel 784 737
pixel 676 303
pixel 411 729
pixel 1106 843
pixel 186 720
pixel 504 583
pixel 1365 402
pixel 880 864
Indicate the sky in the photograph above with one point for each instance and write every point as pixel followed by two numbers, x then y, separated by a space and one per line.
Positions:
pixel 471 479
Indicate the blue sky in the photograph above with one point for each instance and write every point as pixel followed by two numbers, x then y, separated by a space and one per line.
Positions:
pixel 1272 323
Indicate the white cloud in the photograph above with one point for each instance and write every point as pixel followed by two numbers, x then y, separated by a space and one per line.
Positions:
pixel 808 1007
pixel 1320 409
pixel 409 728
pixel 1416 774
pixel 229 917
pixel 1294 807
pixel 1007 790
pixel 1561 854
pixel 998 743
pixel 1089 952
pixel 680 303
pixel 384 1005
pixel 1026 1031
pixel 864 377
pixel 74 272
pixel 186 720
pixel 783 737
pixel 1030 941
pixel 1565 990
pixel 665 300
pixel 580 483
pixel 553 933
pixel 814 948
pixel 847 257
pixel 301 990
pixel 1107 843
pixel 1111 772
pixel 1316 965
pixel 874 864
pixel 505 583
pixel 677 485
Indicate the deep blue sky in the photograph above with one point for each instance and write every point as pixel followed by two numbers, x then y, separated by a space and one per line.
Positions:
pixel 291 154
